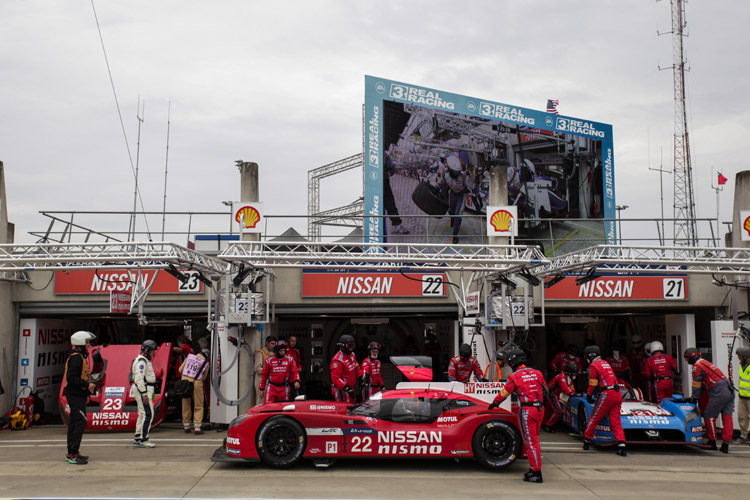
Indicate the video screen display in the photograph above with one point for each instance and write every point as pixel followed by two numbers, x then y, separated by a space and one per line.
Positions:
pixel 428 157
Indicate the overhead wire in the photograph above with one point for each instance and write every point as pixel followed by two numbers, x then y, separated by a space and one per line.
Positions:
pixel 119 113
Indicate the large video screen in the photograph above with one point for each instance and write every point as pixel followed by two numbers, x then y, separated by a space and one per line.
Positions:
pixel 428 157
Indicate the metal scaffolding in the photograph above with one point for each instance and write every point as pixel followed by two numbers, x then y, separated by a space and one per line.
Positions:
pixel 342 214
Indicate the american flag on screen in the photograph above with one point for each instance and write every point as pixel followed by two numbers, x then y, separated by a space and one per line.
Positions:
pixel 552 106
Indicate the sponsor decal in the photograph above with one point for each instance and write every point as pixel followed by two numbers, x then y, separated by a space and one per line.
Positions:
pixel 325 431
pixel 647 420
pixel 578 127
pixel 645 412
pixel 25 362
pixel 332 447
pixel 604 428
pixel 233 451
pixel 483 387
pixel 114 392
pixel 630 287
pixel 460 452
pixel 399 443
pixel 447 419
pixel 109 418
pixel 323 407
pixel 233 440
pixel 418 95
pixel 26 332
pixel 359 430
pixel 503 112
pixel 42 381
pixel 24 382
pixel 90 282
pixel 696 429
pixel 314 450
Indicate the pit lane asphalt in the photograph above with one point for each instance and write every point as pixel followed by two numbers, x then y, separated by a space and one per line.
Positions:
pixel 180 467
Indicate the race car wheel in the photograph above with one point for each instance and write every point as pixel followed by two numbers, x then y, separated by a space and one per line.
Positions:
pixel 496 444
pixel 281 441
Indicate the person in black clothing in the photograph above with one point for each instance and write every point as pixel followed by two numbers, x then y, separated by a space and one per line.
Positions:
pixel 78 388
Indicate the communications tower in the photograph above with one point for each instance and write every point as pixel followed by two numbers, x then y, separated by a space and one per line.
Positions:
pixel 685 230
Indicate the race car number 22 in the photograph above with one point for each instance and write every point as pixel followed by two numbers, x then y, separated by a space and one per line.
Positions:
pixel 433 285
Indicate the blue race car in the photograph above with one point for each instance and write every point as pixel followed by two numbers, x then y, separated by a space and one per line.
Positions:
pixel 673 421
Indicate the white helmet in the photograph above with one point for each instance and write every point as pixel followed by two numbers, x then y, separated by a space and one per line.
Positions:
pixel 657 346
pixel 80 337
pixel 454 163
pixel 647 348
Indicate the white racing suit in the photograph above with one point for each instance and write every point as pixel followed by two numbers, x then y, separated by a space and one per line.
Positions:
pixel 144 380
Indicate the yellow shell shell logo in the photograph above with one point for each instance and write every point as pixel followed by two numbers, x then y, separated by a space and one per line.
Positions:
pixel 248 216
pixel 501 220
pixel 746 225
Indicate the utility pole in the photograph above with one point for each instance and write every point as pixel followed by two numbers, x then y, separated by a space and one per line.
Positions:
pixel 662 236
pixel 685 230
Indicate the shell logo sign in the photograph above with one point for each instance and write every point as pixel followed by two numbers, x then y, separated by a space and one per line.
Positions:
pixel 502 221
pixel 248 216
pixel 745 223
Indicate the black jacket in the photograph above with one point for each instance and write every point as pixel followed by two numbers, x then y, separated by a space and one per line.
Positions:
pixel 76 385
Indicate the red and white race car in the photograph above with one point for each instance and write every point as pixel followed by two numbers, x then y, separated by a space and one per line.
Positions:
pixel 113 406
pixel 428 422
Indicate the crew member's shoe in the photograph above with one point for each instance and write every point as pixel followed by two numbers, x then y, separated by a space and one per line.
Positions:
pixel 534 477
pixel 198 432
pixel 83 457
pixel 527 474
pixel 724 447
pixel 586 444
pixel 75 459
pixel 712 445
pixel 621 450
pixel 148 444
pixel 187 430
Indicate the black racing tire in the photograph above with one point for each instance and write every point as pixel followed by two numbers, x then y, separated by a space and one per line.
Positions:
pixel 281 441
pixel 496 444
pixel 582 419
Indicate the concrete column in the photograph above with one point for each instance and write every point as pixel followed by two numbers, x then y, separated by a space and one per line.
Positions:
pixel 249 191
pixel 498 196
pixel 740 300
pixel 8 336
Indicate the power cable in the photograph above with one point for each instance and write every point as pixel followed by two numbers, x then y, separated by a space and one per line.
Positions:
pixel 119 113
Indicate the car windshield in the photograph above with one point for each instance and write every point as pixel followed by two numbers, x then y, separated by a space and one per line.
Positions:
pixel 408 410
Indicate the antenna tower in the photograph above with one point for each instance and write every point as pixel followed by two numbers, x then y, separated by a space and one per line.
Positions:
pixel 685 230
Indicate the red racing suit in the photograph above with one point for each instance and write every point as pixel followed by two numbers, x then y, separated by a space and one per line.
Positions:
pixel 529 386
pixel 620 366
pixel 721 398
pixel 373 377
pixel 278 373
pixel 608 402
pixel 560 384
pixel 561 359
pixel 659 368
pixel 460 369
pixel 344 373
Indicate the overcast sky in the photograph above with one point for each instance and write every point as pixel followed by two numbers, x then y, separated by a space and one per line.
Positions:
pixel 282 84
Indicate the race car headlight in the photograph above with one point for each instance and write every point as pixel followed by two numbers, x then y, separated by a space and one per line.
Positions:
pixel 238 420
pixel 692 415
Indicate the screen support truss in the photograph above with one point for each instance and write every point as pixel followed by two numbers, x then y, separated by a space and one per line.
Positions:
pixel 662 260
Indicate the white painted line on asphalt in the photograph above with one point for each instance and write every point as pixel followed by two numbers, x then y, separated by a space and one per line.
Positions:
pixel 87 445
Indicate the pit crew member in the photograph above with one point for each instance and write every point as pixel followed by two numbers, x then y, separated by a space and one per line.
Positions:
pixel 721 397
pixel 279 371
pixel 78 387
pixel 562 383
pixel 261 355
pixel 529 386
pixel 608 402
pixel 620 364
pixel 743 410
pixel 659 369
pixel 345 370
pixel 462 366
pixel 144 381
pixel 372 378
pixel 561 359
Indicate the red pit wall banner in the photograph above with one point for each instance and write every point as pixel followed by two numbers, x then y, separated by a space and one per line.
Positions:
pixel 377 284
pixel 90 282
pixel 621 288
